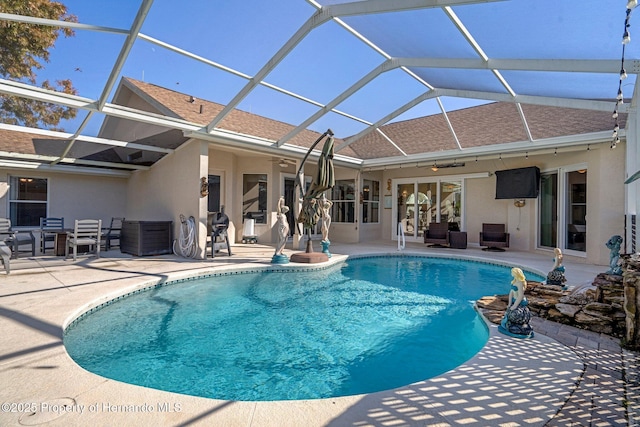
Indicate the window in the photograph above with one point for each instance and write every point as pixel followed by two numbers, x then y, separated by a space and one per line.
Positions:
pixel 450 203
pixel 27 201
pixel 344 203
pixel 370 200
pixel 254 197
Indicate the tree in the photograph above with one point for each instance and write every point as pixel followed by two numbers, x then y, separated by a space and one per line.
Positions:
pixel 24 48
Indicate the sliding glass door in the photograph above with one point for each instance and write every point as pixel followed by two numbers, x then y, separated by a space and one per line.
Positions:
pixel 420 203
pixel 562 210
pixel 548 210
pixel 576 212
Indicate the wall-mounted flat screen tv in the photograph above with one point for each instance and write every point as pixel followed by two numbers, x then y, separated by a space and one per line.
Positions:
pixel 522 183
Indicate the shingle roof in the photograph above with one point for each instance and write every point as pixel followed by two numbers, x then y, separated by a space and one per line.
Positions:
pixel 29 143
pixel 489 124
pixel 201 112
pixel 17 142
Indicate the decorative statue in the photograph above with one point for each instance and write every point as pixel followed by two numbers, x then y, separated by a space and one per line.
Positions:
pixel 311 209
pixel 283 233
pixel 556 275
pixel 516 318
pixel 614 244
pixel 204 187
pixel 325 207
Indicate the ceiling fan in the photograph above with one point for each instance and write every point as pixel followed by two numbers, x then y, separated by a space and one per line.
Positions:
pixel 437 165
pixel 283 163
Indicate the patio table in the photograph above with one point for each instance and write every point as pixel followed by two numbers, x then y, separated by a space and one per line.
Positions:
pixel 60 240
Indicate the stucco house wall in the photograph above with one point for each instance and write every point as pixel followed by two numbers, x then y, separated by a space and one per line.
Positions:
pixel 605 197
pixel 73 196
pixel 172 188
pixel 605 201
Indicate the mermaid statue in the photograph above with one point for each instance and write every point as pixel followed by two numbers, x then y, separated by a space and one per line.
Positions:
pixel 614 244
pixel 516 318
pixel 556 275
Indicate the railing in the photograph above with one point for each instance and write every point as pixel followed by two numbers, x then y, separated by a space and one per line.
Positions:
pixel 401 239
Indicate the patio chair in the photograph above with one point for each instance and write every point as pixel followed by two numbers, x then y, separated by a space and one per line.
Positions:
pixel 437 234
pixel 16 238
pixel 86 232
pixel 494 237
pixel 217 225
pixel 5 256
pixel 49 227
pixel 113 232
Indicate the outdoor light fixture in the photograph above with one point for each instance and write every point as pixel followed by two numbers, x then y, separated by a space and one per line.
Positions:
pixel 434 167
pixel 623 74
pixel 626 38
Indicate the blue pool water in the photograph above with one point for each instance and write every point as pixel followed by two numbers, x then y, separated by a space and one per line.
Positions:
pixel 370 324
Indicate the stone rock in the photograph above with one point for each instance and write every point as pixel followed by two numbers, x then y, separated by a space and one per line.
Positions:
pixel 532 284
pixel 494 302
pixel 569 310
pixel 493 316
pixel 556 316
pixel 542 302
pixel 548 290
pixel 599 308
pixel 609 305
pixel 587 319
pixel 575 299
pixel 618 316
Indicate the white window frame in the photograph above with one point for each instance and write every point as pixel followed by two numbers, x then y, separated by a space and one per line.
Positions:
pixel 10 201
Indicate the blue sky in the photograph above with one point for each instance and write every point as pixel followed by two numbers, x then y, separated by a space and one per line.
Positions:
pixel 244 35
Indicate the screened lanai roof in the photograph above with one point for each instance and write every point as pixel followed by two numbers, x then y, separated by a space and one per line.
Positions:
pixel 363 69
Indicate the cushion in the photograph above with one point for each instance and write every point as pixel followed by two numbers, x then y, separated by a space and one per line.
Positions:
pixel 437 234
pixel 493 237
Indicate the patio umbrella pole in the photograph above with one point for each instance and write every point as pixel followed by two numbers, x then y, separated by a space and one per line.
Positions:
pixel 309 242
pixel 304 159
pixel 324 180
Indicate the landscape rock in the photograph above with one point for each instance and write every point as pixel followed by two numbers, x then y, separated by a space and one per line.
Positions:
pixel 608 305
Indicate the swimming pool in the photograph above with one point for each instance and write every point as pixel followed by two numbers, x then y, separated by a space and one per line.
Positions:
pixel 370 324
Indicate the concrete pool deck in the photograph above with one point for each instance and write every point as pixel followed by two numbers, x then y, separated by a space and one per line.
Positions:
pixel 564 376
